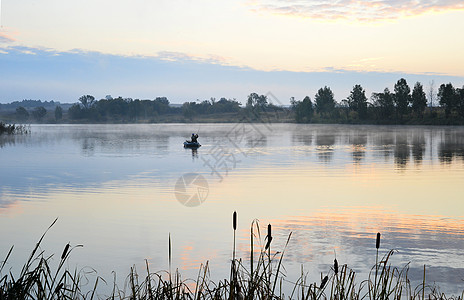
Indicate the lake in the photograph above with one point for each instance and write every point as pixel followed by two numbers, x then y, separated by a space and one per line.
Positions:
pixel 121 190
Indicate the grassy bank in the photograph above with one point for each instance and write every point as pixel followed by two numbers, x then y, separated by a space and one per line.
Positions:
pixel 261 278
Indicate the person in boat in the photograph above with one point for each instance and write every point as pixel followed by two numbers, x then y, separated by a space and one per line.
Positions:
pixel 194 138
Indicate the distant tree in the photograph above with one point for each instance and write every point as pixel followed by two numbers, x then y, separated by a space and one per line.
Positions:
pixel 39 113
pixel 251 99
pixel 58 113
pixel 225 105
pixel 447 98
pixel 418 99
pixel 117 107
pixel 75 112
pixel 402 97
pixel 357 101
pixel 431 93
pixel 188 110
pixel 204 107
pixel 460 95
pixel 324 101
pixel 262 102
pixel 385 102
pixel 256 101
pixel 22 114
pixel 134 110
pixel 161 105
pixel 303 109
pixel 87 101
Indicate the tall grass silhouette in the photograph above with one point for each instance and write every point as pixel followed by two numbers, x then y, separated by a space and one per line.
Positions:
pixel 264 279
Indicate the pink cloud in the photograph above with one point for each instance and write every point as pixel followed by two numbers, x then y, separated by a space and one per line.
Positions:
pixel 180 56
pixel 5 38
pixel 361 10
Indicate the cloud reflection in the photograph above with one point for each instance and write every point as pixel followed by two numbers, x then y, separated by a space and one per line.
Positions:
pixel 351 231
pixel 82 156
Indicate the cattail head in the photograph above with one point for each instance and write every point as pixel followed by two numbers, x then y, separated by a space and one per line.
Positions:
pixel 269 236
pixel 335 266
pixel 65 251
pixel 169 249
pixel 377 241
pixel 268 244
pixel 324 281
pixel 234 220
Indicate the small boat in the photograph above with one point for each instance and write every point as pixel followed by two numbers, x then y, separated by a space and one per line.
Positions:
pixel 188 144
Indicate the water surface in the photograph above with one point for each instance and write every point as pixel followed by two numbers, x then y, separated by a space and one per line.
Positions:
pixel 334 187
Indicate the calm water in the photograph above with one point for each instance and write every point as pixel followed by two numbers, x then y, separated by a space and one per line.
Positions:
pixel 113 189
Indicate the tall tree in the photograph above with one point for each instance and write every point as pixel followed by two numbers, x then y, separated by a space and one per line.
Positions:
pixel 418 99
pixel 357 101
pixel 385 102
pixel 256 101
pixel 325 101
pixel 21 113
pixel 431 93
pixel 303 109
pixel 87 101
pixel 460 95
pixel 58 113
pixel 447 98
pixel 39 112
pixel 402 97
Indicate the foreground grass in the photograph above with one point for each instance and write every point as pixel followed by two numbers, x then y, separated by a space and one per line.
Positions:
pixel 263 279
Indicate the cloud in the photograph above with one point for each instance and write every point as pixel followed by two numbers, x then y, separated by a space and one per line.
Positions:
pixel 4 38
pixel 360 10
pixel 65 75
pixel 180 56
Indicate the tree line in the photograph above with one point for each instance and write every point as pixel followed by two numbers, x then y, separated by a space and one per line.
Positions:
pixel 131 110
pixel 400 106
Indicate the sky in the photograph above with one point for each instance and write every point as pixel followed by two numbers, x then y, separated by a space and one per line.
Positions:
pixel 187 50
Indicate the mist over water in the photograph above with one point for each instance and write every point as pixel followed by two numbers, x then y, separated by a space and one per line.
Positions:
pixel 334 186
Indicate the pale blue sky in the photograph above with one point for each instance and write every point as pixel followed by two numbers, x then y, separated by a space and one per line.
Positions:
pixel 184 50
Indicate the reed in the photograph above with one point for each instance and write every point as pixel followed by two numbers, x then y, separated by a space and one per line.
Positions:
pixel 13 129
pixel 265 279
pixel 233 274
pixel 377 246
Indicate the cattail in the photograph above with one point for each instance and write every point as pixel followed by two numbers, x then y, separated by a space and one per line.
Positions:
pixel 269 236
pixel 65 251
pixel 169 252
pixel 336 266
pixel 377 242
pixel 268 244
pixel 234 220
pixel 324 281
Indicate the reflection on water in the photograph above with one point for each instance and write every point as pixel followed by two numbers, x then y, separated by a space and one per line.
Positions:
pixel 353 229
pixel 450 146
pixel 334 186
